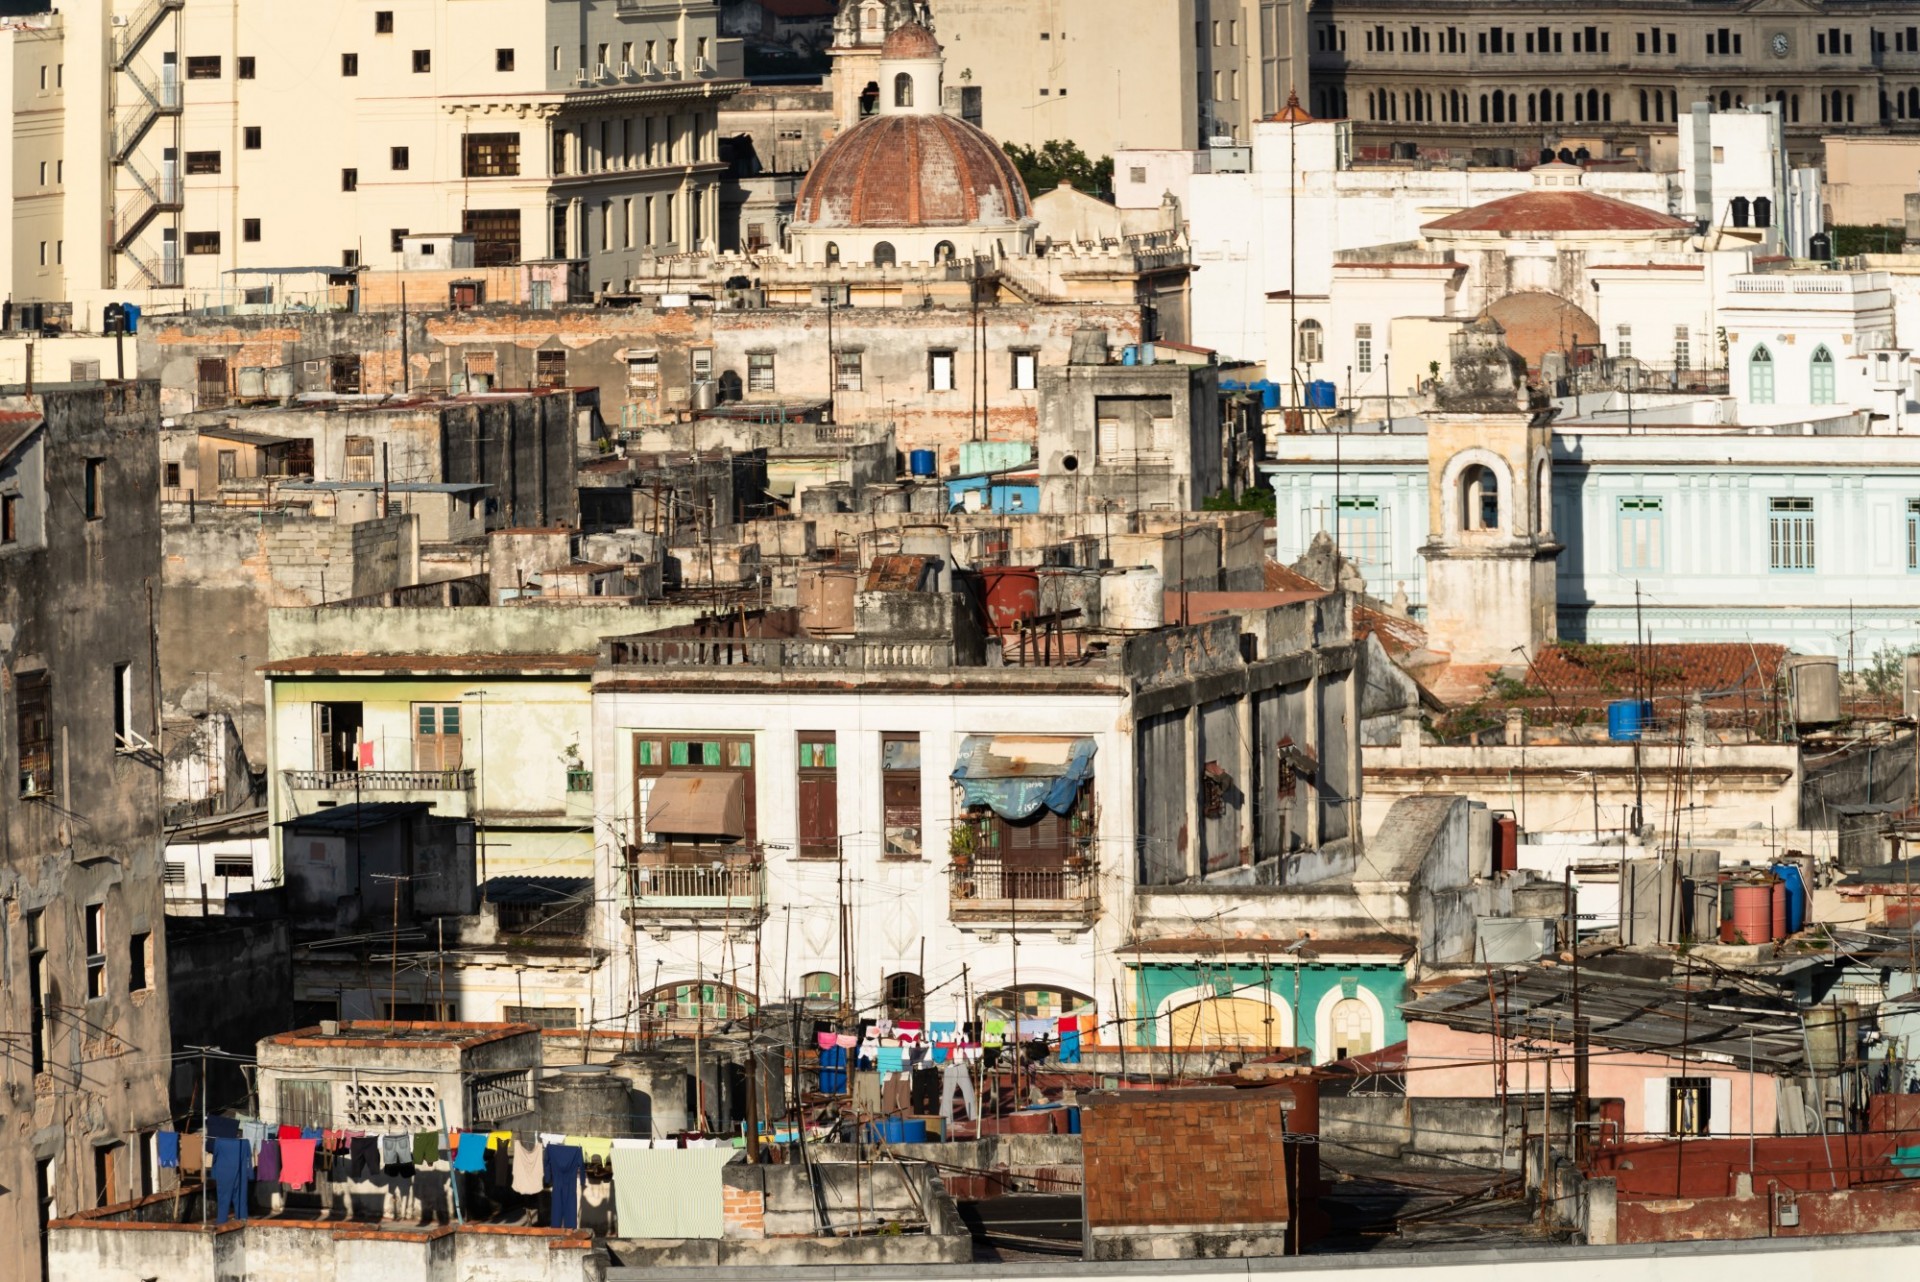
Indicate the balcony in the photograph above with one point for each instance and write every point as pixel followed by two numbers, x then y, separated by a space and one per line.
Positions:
pixel 450 792
pixel 790 654
pixel 682 887
pixel 987 892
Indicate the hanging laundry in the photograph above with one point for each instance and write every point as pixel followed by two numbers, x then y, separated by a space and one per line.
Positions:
pixel 826 1041
pixel 529 1167
pixel 168 1142
pixel 592 1148
pixel 669 1193
pixel 496 1138
pixel 193 1152
pixel 286 1132
pixel 426 1148
pixel 563 1170
pixel 267 1164
pixel 253 1132
pixel 996 1033
pixel 296 1161
pixel 471 1155
pixel 221 1127
pixel 232 1174
pixel 957 1077
pixel 364 1152
pixel 890 1060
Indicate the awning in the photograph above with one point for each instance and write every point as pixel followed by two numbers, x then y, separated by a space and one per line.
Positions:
pixel 1016 775
pixel 698 803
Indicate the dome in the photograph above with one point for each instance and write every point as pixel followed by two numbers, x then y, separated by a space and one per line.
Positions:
pixel 910 40
pixel 911 171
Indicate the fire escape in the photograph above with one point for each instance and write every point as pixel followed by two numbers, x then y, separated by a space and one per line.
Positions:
pixel 143 100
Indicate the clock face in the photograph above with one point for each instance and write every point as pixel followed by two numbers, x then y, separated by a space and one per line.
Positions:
pixel 1780 45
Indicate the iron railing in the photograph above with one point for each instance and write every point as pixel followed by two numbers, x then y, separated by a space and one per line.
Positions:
pixel 791 654
pixel 379 780
pixel 657 879
pixel 992 888
pixel 139 25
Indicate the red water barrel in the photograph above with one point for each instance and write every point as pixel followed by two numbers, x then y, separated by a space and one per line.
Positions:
pixel 1753 914
pixel 1779 909
pixel 1013 596
pixel 1506 843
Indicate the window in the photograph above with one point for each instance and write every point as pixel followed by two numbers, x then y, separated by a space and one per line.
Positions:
pixel 123 705
pixel 400 158
pixel 760 372
pixel 9 518
pixel 1913 534
pixel 847 370
pixel 1689 1106
pixel 900 795
pixel 1362 532
pixel 336 741
pixel 33 732
pixel 1821 379
pixel 883 254
pixel 1312 343
pixel 542 1016
pixel 139 961
pixel 1682 347
pixel 243 68
pixel 940 371
pixel 1363 348
pixel 306 1103
pixel 819 794
pixel 95 497
pixel 1760 376
pixel 349 180
pixel 383 22
pixel 203 162
pixel 503 60
pixel 1479 498
pixel 550 367
pixel 37 1026
pixel 250 138
pixel 1641 542
pixel 436 736
pixel 496 235
pixel 1623 340
pixel 227 867
pixel 1790 534
pixel 203 242
pixel 349 64
pixel 1025 370
pixel 250 229
pixel 203 68
pixel 422 61
pixel 820 988
pixel 491 156
pixel 96 923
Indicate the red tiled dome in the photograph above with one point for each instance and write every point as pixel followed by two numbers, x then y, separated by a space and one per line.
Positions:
pixel 910 40
pixel 1547 211
pixel 911 171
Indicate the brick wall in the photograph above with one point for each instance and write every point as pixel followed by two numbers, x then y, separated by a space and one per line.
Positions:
pixel 1207 1157
pixel 744 1211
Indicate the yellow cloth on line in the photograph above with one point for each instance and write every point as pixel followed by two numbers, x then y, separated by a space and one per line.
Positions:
pixel 591 1147
pixel 496 1138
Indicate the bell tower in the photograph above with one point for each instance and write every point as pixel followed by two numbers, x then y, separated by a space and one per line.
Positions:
pixel 859 30
pixel 1491 553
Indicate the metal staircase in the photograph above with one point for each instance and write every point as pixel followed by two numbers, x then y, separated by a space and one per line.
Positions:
pixel 132 122
pixel 151 196
pixel 141 100
pixel 128 38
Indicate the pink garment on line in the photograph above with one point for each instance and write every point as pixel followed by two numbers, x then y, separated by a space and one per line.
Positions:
pixel 296 1162
pixel 827 1040
pixel 847 1041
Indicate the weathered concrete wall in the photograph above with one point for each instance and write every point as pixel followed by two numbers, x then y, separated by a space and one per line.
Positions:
pixel 457 630
pixel 83 860
pixel 230 983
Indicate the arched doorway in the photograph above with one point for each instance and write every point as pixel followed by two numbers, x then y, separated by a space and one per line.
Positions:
pixel 1760 376
pixel 906 995
pixel 1352 1029
pixel 1820 381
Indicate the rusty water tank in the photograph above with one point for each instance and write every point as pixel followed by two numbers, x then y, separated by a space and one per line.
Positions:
pixel 1779 900
pixel 826 600
pixel 1815 689
pixel 1753 914
pixel 1506 843
pixel 1012 596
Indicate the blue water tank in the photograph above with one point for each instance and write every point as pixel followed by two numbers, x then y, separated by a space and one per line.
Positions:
pixel 133 317
pixel 1796 896
pixel 1627 718
pixel 1130 355
pixel 898 1130
pixel 1232 385
pixel 922 463
pixel 1321 394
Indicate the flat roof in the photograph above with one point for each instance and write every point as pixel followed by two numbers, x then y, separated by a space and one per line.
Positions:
pixel 398 487
pixel 393 1035
pixel 422 665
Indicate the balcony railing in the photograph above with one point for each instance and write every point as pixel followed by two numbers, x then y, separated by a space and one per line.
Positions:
pixel 684 884
pixel 379 780
pixel 989 890
pixel 792 654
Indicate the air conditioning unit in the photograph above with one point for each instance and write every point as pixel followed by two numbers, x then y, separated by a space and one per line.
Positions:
pixel 603 72
pixel 628 71
pixel 650 68
pixel 119 19
pixel 580 78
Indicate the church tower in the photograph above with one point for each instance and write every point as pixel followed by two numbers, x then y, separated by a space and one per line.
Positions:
pixel 859 30
pixel 1490 550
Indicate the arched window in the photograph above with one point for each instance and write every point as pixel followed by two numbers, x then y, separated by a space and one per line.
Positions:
pixel 1821 381
pixel 1739 208
pixel 870 99
pixel 1311 342
pixel 1051 1004
pixel 820 988
pixel 906 996
pixel 1593 104
pixel 943 252
pixel 883 255
pixel 903 90
pixel 1760 377
pixel 695 1004
pixel 1726 100
pixel 1352 1026
pixel 1479 498
pixel 833 251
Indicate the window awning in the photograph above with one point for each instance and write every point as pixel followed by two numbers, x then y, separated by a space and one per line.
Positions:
pixel 698 803
pixel 1017 775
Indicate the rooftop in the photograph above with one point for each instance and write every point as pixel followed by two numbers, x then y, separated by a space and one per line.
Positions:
pixel 423 665
pixel 383 1035
pixel 1555 211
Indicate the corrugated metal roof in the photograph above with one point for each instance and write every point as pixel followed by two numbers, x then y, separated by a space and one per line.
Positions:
pixel 358 817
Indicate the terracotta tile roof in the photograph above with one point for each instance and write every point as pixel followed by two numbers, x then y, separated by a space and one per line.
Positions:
pixel 1601 673
pixel 1398 637
pixel 1557 211
pixel 1281 578
pixel 911 171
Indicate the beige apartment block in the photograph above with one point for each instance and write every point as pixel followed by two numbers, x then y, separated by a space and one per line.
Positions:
pixel 1458 75
pixel 1108 74
pixel 200 147
pixel 1869 179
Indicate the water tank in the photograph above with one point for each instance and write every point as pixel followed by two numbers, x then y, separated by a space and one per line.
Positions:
pixel 355 506
pixel 826 600
pixel 1814 689
pixel 1820 247
pixel 280 383
pixel 923 463
pixel 1779 889
pixel 585 1099
pixel 889 498
pixel 1627 719
pixel 1796 888
pixel 1146 353
pixel 1130 355
pixel 250 382
pixel 1133 600
pixel 1506 843
pixel 1012 596
pixel 1752 921
pixel 703 394
pixel 1321 394
pixel 132 312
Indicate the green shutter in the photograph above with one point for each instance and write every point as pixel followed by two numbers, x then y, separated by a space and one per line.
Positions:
pixel 677 752
pixel 710 754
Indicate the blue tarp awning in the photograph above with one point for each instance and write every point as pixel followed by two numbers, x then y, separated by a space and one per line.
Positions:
pixel 1016 775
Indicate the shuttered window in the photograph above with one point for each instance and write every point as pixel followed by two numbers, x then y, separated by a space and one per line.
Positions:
pixel 900 795
pixel 437 741
pixel 819 795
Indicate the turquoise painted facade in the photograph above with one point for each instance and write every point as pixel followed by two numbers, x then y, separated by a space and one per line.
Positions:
pixel 1301 997
pixel 1812 542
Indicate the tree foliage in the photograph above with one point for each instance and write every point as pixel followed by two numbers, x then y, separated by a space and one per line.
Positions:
pixel 1851 240
pixel 1257 498
pixel 1058 161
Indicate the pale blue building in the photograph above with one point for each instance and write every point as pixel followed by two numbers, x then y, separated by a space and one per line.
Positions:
pixel 1727 534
